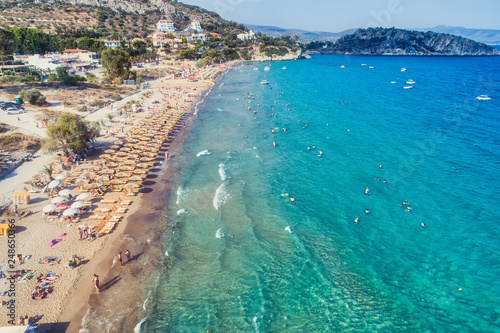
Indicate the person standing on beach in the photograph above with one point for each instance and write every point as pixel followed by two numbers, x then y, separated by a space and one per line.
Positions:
pixel 128 255
pixel 16 211
pixel 120 258
pixel 95 279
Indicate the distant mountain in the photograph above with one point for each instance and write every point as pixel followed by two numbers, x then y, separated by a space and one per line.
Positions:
pixel 304 35
pixel 392 41
pixel 487 36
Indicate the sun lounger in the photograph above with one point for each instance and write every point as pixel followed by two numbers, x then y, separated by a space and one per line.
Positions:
pixel 48 260
pixel 117 210
pixel 126 192
pixel 108 201
pixel 101 209
pixel 120 201
pixel 107 228
pixel 79 189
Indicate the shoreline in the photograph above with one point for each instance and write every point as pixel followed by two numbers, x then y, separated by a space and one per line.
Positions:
pixel 72 294
pixel 146 241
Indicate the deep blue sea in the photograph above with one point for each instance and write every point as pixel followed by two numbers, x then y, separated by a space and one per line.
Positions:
pixel 241 257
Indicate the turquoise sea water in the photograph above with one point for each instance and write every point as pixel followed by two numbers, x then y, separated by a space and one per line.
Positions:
pixel 241 257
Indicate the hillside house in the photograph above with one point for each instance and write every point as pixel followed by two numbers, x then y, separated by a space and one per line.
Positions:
pixel 165 25
pixel 112 44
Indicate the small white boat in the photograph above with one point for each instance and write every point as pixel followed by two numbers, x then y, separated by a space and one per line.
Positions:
pixel 363 64
pixel 342 66
pixel 264 82
pixel 483 98
pixel 408 87
pixel 410 82
pixel 267 68
pixel 284 67
pixel 371 67
pixel 393 82
pixel 403 69
pixel 255 69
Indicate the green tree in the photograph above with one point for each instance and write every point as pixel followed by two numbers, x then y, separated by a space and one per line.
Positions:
pixel 189 54
pixel 71 134
pixel 116 64
pixel 7 43
pixel 61 73
pixel 32 96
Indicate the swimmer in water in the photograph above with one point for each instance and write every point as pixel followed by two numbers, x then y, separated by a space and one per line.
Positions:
pixel 356 220
pixel 292 199
pixel 314 147
pixel 274 143
pixel 367 211
pixel 367 191
pixel 409 208
pixel 308 148
pixel 380 166
pixel 404 203
pixel 320 153
pixel 423 225
pixel 378 178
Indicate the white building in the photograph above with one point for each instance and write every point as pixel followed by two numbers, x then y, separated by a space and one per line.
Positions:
pixel 112 44
pixel 195 25
pixel 165 25
pixel 247 35
pixel 44 63
pixel 81 55
pixel 197 37
pixel 159 35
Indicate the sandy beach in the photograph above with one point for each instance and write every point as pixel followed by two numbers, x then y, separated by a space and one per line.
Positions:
pixel 70 302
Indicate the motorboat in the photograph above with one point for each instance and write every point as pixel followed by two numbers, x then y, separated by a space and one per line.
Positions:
pixel 403 69
pixel 371 66
pixel 483 98
pixel 263 82
pixel 342 66
pixel 408 87
pixel 267 68
pixel 410 82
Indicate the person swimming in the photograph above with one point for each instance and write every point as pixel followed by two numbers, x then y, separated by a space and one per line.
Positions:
pixel 409 208
pixel 292 199
pixel 320 153
pixel 356 220
pixel 274 143
pixel 404 203
pixel 367 191
pixel 367 211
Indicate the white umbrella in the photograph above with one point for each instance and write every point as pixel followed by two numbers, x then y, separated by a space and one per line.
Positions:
pixel 49 208
pixel 57 200
pixel 61 176
pixel 65 192
pixel 82 196
pixel 70 211
pixel 77 204
pixel 54 183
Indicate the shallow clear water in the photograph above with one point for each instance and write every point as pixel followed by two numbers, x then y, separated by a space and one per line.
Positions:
pixel 242 257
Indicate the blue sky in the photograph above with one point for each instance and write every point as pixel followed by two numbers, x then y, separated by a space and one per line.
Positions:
pixel 336 15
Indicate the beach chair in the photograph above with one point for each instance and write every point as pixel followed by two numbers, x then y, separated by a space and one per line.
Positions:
pixel 97 217
pixel 114 188
pixel 101 209
pixel 29 191
pixel 108 201
pixel 79 189
pixel 107 228
pixel 117 210
pixel 115 218
pixel 4 228
pixel 122 202
pixel 127 192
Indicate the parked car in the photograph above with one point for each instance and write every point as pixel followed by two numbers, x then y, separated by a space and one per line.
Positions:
pixel 15 111
pixel 8 105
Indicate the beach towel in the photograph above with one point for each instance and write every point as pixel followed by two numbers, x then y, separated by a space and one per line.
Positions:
pixel 2 275
pixel 48 260
pixel 54 242
pixel 3 293
pixel 31 328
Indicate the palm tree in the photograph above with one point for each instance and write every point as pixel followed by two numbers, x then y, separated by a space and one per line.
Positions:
pixel 110 117
pixel 48 171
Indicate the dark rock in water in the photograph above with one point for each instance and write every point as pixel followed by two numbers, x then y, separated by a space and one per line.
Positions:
pixel 392 41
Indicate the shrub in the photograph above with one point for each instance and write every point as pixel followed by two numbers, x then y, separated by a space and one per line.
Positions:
pixel 82 108
pixel 52 78
pixel 32 96
pixel 70 80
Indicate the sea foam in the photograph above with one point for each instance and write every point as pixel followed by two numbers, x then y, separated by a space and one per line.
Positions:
pixel 222 171
pixel 221 196
pixel 220 233
pixel 204 152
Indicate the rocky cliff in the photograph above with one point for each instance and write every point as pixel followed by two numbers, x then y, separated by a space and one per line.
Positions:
pixel 380 41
